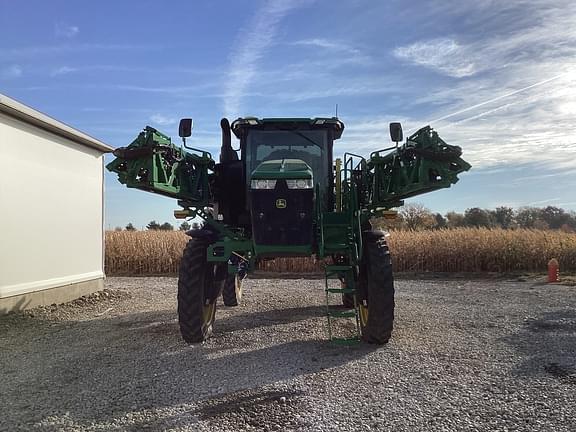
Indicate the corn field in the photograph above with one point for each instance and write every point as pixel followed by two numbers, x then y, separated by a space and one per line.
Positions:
pixel 143 252
pixel 481 250
pixel 457 250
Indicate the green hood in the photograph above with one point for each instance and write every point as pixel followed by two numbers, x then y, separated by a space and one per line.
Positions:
pixel 282 169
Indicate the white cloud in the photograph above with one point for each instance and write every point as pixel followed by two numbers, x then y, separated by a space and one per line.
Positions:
pixel 198 91
pixel 325 43
pixel 250 46
pixel 498 98
pixel 444 55
pixel 337 53
pixel 546 201
pixel 12 71
pixel 531 126
pixel 63 70
pixel 65 30
pixel 523 135
pixel 332 45
pixel 522 124
pixel 162 120
pixel 540 32
pixel 35 52
pixel 516 106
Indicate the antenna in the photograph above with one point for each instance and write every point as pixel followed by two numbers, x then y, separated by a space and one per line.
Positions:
pixel 336 111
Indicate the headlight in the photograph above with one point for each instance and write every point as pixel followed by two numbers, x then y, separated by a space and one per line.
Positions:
pixel 299 184
pixel 263 184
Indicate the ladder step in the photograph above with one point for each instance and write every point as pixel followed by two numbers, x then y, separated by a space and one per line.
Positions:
pixel 332 270
pixel 345 341
pixel 345 273
pixel 349 313
pixel 341 290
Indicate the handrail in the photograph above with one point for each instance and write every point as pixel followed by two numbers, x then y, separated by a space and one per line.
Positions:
pixel 204 152
pixel 377 152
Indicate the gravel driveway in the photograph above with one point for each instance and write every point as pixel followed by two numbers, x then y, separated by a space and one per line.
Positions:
pixel 465 355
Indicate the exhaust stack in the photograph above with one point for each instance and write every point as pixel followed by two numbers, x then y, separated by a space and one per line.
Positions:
pixel 227 153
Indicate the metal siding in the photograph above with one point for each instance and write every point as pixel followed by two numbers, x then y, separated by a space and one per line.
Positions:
pixel 51 216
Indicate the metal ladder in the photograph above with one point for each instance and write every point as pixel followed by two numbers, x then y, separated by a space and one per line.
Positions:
pixel 334 313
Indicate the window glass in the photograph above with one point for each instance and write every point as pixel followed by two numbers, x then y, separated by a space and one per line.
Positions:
pixel 306 145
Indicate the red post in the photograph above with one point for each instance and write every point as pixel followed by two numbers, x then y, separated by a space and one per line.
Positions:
pixel 553 271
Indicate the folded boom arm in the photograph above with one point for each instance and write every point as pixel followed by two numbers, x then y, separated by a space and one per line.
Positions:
pixel 153 164
pixel 425 163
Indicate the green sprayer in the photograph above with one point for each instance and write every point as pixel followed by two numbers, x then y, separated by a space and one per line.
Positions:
pixel 281 194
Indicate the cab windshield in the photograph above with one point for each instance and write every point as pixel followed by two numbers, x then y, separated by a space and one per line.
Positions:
pixel 307 145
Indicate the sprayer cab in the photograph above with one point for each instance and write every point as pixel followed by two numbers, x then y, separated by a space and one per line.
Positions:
pixel 288 174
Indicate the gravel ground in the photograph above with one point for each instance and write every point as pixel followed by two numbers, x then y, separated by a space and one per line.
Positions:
pixel 465 355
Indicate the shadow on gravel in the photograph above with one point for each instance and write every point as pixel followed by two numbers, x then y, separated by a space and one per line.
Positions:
pixel 549 346
pixel 268 318
pixel 92 372
pixel 259 408
pixel 243 401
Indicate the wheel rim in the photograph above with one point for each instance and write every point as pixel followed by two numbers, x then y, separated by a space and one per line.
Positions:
pixel 209 308
pixel 238 287
pixel 363 312
pixel 208 312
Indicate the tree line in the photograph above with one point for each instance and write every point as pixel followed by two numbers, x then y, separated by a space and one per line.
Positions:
pixel 166 226
pixel 418 217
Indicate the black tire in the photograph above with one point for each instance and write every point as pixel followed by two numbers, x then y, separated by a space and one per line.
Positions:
pixel 199 285
pixel 232 292
pixel 348 301
pixel 376 298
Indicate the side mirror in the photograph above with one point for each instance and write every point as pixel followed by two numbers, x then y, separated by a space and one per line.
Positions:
pixel 185 128
pixel 396 132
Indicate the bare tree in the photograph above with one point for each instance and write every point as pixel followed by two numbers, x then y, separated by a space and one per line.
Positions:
pixel 417 217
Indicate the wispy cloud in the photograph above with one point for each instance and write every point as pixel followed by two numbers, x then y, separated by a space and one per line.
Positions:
pixel 533 125
pixel 180 91
pixel 498 98
pixel 250 46
pixel 62 70
pixel 540 32
pixel 325 43
pixel 510 99
pixel 10 72
pixel 155 69
pixel 446 56
pixel 335 52
pixel 66 30
pixel 546 201
pixel 51 50
pixel 534 128
pixel 162 120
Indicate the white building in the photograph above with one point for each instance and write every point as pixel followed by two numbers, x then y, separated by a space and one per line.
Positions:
pixel 51 209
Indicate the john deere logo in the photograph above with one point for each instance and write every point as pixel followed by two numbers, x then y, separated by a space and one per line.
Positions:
pixel 280 203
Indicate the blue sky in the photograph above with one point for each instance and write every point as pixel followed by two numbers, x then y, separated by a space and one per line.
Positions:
pixel 496 78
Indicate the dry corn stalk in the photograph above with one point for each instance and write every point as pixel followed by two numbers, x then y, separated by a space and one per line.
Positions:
pixel 457 250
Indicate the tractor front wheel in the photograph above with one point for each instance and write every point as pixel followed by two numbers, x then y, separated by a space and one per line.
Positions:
pixel 376 301
pixel 199 285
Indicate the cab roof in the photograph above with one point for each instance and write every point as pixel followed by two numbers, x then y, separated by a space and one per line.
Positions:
pixel 243 123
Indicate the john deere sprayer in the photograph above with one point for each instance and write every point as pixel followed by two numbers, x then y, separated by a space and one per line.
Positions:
pixel 281 194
